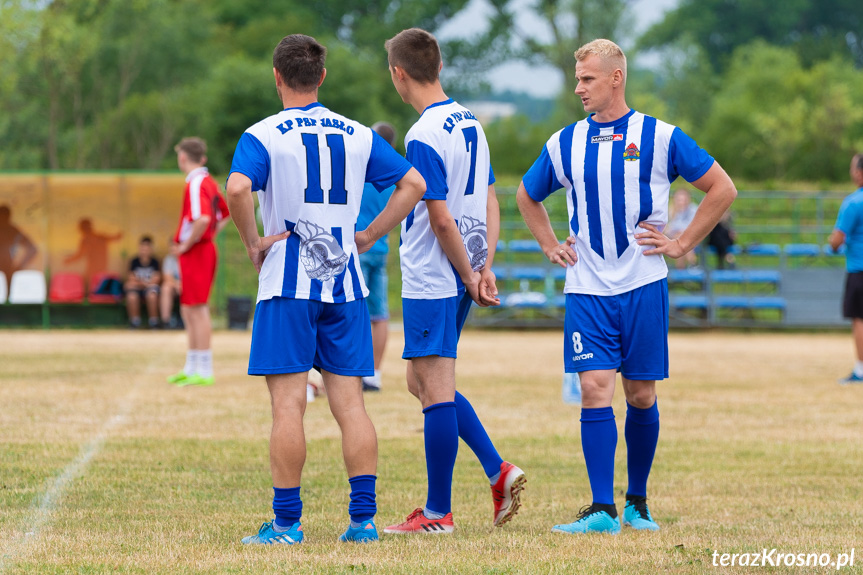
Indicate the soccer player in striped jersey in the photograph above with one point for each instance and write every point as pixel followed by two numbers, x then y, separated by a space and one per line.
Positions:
pixel 447 249
pixel 309 166
pixel 616 168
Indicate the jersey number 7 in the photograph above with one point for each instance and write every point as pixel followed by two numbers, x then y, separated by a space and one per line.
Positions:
pixel 314 193
pixel 470 139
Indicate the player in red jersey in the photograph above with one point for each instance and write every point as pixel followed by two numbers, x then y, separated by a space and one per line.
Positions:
pixel 204 215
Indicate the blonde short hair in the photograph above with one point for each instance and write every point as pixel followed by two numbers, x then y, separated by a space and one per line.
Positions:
pixel 608 51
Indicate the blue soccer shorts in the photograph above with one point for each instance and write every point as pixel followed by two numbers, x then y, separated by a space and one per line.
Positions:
pixel 627 332
pixel 293 335
pixel 433 326
pixel 374 267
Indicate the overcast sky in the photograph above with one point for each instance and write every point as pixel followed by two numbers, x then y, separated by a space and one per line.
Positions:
pixel 539 81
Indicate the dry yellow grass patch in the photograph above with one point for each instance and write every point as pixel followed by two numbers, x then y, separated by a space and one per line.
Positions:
pixel 759 448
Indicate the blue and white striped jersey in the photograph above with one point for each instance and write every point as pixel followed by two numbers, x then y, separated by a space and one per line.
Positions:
pixel 616 175
pixel 309 166
pixel 447 146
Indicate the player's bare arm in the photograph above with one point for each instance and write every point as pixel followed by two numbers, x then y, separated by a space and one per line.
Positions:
pixel 76 256
pixel 409 190
pixel 536 218
pixel 132 282
pixel 488 281
pixel 220 225
pixel 199 226
pixel 242 207
pixel 836 239
pixel 720 193
pixel 445 229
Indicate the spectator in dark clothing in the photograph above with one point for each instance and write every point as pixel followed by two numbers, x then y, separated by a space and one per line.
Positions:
pixel 722 239
pixel 143 283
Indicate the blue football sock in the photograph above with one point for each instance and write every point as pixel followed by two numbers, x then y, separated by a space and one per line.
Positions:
pixel 441 443
pixel 429 514
pixel 642 433
pixel 470 429
pixel 287 506
pixel 362 506
pixel 599 442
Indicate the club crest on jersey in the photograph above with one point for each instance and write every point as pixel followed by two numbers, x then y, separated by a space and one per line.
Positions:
pixel 631 152
pixel 475 238
pixel 321 254
pixel 606 138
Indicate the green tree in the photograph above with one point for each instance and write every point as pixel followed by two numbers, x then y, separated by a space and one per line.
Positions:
pixel 571 23
pixel 98 80
pixel 774 118
pixel 113 84
pixel 816 29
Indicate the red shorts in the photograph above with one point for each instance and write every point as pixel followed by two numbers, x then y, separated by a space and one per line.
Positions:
pixel 197 270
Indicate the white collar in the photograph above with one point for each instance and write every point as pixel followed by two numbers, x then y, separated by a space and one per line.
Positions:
pixel 197 171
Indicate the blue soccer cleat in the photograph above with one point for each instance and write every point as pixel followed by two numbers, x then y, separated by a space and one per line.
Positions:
pixel 365 532
pixel 591 520
pixel 637 515
pixel 851 379
pixel 269 536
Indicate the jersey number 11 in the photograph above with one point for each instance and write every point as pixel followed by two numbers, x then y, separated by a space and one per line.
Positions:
pixel 314 193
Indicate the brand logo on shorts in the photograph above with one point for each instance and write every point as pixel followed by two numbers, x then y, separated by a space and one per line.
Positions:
pixel 475 238
pixel 578 348
pixel 322 256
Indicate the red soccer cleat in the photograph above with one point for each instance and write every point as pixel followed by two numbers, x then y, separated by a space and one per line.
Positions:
pixel 419 523
pixel 506 492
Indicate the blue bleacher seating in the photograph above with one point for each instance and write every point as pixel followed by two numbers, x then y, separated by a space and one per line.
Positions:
pixel 687 275
pixel 689 302
pixel 734 250
pixel 764 250
pixel 528 273
pixel 727 276
pixel 746 302
pixel 529 282
pixel 811 250
pixel 529 246
pixel 731 301
pixel 763 276
pixel 766 302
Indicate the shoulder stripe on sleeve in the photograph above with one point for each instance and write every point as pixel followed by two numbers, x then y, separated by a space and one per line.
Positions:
pixel 195 196
pixel 566 144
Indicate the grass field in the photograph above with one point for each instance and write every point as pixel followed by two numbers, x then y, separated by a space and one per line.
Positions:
pixel 106 468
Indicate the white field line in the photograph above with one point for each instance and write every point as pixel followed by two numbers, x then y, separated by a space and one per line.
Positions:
pixel 43 509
